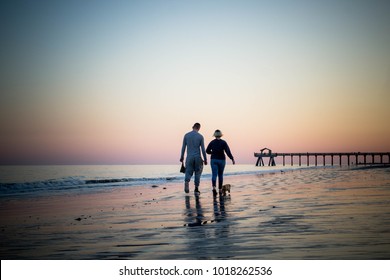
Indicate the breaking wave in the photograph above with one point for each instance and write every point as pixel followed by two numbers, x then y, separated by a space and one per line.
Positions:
pixel 75 184
pixel 83 183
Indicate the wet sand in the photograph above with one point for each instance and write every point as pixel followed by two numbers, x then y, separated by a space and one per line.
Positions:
pixel 328 213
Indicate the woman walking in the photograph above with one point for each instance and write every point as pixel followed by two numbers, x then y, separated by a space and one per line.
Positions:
pixel 217 149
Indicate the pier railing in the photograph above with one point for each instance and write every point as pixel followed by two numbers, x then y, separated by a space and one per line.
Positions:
pixel 352 158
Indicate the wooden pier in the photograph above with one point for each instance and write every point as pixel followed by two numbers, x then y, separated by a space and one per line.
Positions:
pixel 354 158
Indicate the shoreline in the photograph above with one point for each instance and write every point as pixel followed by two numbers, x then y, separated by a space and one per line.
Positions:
pixel 306 214
pixel 75 185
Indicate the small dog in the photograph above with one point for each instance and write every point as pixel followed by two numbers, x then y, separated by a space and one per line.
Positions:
pixel 226 188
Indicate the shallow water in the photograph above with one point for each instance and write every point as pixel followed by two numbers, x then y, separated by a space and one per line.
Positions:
pixel 37 181
pixel 309 214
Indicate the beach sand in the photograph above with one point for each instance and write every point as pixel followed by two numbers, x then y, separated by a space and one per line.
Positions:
pixel 324 213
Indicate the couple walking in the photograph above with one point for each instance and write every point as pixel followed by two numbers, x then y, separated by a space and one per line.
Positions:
pixel 194 142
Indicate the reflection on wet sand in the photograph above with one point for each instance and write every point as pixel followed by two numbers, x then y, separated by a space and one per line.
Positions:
pixel 193 217
pixel 208 233
pixel 310 214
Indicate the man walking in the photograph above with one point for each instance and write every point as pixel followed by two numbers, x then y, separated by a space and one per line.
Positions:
pixel 194 142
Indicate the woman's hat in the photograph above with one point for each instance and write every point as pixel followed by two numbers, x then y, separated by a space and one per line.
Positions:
pixel 218 133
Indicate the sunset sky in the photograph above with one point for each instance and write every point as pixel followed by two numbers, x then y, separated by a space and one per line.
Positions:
pixel 121 82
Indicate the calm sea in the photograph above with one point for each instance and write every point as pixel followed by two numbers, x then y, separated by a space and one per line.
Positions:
pixel 29 181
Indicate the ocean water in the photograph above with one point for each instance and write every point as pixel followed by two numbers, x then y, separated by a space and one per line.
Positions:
pixel 30 181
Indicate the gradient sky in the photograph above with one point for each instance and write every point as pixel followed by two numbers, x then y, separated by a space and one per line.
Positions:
pixel 121 82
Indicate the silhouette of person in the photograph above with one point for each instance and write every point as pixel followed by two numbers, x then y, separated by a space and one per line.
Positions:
pixel 217 148
pixel 193 141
